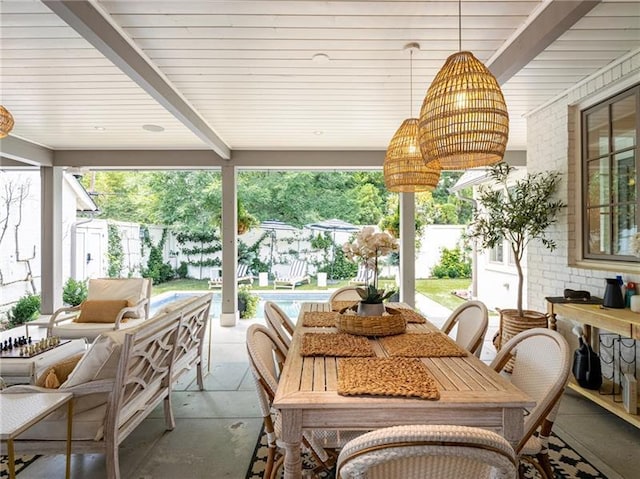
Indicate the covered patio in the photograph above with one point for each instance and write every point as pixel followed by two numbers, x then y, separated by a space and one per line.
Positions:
pixel 271 85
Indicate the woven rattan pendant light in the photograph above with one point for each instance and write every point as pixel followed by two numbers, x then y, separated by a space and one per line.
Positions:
pixel 405 170
pixel 6 122
pixel 464 121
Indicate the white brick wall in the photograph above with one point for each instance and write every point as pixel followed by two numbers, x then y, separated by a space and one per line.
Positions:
pixel 553 144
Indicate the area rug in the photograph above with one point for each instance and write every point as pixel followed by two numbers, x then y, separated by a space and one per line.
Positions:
pixel 21 463
pixel 566 462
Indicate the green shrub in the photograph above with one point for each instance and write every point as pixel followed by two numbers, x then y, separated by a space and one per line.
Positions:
pixel 74 292
pixel 183 270
pixel 115 253
pixel 453 264
pixel 26 309
pixel 247 302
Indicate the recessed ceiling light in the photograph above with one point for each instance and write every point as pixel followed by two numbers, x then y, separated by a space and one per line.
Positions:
pixel 150 127
pixel 318 132
pixel 99 128
pixel 320 58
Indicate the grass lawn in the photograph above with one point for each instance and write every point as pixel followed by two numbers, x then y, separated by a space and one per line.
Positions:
pixel 439 290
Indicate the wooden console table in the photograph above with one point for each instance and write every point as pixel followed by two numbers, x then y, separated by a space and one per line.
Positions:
pixel 620 321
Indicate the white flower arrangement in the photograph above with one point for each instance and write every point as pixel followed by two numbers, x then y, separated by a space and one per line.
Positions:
pixel 635 244
pixel 368 246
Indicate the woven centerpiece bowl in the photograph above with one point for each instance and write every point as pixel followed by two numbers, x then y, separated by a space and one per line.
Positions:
pixel 386 325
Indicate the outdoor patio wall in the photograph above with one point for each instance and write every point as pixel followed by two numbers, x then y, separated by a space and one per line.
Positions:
pixel 553 144
pixel 16 282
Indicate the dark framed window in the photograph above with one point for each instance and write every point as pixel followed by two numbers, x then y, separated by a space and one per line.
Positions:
pixel 610 186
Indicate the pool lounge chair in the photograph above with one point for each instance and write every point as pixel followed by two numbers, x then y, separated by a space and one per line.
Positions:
pixel 242 276
pixel 364 276
pixel 297 274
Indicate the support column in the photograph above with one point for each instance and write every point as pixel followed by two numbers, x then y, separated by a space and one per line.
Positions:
pixel 229 315
pixel 51 238
pixel 407 248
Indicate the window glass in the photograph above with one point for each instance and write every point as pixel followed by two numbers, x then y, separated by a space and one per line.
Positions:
pixel 624 227
pixel 598 133
pixel 610 177
pixel 624 177
pixel 623 121
pixel 496 254
pixel 598 182
pixel 598 222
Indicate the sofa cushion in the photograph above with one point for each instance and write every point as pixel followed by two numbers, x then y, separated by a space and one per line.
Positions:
pixel 131 289
pixel 57 373
pixel 71 330
pixel 100 310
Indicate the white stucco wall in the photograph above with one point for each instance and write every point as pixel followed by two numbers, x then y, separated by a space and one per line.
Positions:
pixel 434 238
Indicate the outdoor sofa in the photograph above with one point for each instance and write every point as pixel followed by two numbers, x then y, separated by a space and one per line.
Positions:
pixel 120 380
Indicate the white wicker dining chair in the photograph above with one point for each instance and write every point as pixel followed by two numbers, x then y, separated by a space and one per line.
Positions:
pixel 433 451
pixel 266 357
pixel 346 293
pixel 541 369
pixel 279 322
pixel 472 319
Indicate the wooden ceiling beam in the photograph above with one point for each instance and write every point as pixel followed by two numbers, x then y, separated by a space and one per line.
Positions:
pixel 94 27
pixel 544 27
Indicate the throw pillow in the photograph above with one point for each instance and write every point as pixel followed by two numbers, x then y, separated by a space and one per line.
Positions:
pixel 58 373
pixel 100 310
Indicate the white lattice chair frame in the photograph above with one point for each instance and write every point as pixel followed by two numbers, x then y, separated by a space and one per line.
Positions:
pixel 434 451
pixel 346 293
pixel 541 369
pixel 190 340
pixel 472 320
pixel 279 322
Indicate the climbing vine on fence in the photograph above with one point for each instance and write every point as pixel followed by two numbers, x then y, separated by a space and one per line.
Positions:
pixel 115 253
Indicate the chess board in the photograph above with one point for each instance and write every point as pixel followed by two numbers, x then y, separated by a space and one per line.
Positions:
pixel 15 352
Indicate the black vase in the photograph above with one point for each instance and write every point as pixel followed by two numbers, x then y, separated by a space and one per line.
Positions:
pixel 613 294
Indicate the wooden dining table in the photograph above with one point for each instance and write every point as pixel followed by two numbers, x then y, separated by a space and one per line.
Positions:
pixel 471 394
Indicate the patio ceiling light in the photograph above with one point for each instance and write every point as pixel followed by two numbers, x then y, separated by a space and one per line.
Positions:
pixel 405 170
pixel 6 122
pixel 464 121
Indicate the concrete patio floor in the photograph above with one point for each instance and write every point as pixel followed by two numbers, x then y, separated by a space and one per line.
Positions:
pixel 216 429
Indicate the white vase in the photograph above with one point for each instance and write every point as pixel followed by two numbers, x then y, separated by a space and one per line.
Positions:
pixel 370 309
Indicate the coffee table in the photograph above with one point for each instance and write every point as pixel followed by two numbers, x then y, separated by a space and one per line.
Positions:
pixel 20 411
pixel 21 370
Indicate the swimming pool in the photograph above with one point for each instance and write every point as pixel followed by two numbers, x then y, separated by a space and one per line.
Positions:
pixel 289 301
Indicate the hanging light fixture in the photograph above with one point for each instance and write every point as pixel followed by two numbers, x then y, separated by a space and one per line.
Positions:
pixel 464 121
pixel 6 122
pixel 405 170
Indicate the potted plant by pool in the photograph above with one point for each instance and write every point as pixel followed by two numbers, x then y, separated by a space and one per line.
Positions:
pixel 247 302
pixel 518 213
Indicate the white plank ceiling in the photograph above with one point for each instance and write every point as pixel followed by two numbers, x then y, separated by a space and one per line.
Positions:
pixel 246 68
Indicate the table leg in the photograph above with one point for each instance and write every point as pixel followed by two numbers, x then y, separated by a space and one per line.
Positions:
pixel 291 441
pixel 69 435
pixel 12 459
pixel 513 425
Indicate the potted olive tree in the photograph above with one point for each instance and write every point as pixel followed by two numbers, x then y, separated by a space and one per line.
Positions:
pixel 518 213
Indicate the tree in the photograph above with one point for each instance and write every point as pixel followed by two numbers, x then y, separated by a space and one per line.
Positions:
pixel 517 213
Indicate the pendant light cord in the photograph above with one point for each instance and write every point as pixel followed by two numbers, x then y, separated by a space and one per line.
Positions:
pixel 459 25
pixel 411 83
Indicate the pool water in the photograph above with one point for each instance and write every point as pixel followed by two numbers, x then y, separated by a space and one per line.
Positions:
pixel 289 302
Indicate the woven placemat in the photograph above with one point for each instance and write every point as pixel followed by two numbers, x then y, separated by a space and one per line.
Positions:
pixel 319 319
pixel 422 345
pixel 404 377
pixel 410 315
pixel 335 344
pixel 340 305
